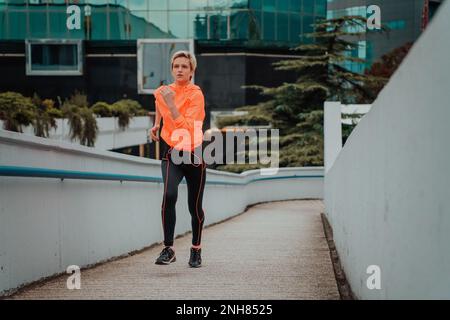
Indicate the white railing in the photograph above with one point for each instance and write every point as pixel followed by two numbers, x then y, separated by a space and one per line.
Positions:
pixel 64 204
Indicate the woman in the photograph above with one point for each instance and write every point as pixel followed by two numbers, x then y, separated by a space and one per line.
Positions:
pixel 182 108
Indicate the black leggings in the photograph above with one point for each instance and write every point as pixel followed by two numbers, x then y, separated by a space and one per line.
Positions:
pixel 172 174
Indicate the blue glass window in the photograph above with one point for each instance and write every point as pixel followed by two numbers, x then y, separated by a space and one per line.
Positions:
pixel 269 25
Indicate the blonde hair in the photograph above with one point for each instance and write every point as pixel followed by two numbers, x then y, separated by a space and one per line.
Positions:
pixel 187 55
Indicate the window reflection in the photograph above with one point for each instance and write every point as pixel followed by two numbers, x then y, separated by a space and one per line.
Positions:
pixel 198 24
pixel 255 4
pixel 97 24
pixel 218 4
pixel 296 27
pixel 269 5
pixel 37 25
pixel 136 5
pixel 17 25
pixel 198 4
pixel 296 5
pixel 255 25
pixel 178 4
pixel 116 14
pixel 239 25
pixel 244 20
pixel 137 25
pixel 218 25
pixel 283 5
pixel 99 2
pixel 238 4
pixel 283 27
pixel 269 25
pixel 178 24
pixel 159 19
pixel 157 5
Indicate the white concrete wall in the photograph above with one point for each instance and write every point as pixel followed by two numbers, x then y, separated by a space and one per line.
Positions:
pixel 47 224
pixel 387 194
pixel 110 136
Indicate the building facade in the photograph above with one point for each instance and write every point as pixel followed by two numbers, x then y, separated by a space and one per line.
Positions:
pixel 45 49
pixel 405 20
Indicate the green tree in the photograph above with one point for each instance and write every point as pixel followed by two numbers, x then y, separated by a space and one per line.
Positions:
pixel 296 109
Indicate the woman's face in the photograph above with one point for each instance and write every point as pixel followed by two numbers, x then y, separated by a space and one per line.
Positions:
pixel 181 70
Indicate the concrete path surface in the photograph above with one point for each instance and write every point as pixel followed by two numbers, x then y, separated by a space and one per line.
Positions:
pixel 274 250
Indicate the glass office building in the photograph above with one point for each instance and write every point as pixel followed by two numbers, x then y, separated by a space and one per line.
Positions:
pixel 266 21
pixel 52 48
pixel 404 18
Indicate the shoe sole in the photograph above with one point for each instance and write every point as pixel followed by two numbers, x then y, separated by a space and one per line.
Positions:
pixel 166 263
pixel 194 266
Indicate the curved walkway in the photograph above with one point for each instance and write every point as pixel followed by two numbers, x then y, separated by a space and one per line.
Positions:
pixel 274 250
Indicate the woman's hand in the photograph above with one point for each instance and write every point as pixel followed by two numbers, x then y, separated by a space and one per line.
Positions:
pixel 169 98
pixel 154 133
pixel 168 95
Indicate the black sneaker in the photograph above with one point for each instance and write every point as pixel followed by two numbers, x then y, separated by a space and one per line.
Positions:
pixel 195 260
pixel 166 256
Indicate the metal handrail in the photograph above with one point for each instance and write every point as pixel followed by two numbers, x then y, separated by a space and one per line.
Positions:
pixel 13 171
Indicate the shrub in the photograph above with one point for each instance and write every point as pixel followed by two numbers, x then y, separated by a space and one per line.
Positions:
pixel 90 127
pixel 48 104
pixel 134 107
pixel 122 112
pixel 102 109
pixel 83 124
pixel 78 99
pixel 45 116
pixel 16 111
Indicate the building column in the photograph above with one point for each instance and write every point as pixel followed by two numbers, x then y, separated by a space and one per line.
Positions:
pixel 332 128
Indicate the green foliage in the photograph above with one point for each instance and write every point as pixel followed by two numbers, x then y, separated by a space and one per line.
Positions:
pixel 134 107
pixel 102 109
pixel 122 112
pixel 296 109
pixel 45 116
pixel 126 109
pixel 48 104
pixel 83 125
pixel 78 99
pixel 16 111
pixel 72 114
pixel 90 128
pixel 55 113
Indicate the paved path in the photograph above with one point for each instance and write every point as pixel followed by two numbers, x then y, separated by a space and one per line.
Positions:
pixel 273 251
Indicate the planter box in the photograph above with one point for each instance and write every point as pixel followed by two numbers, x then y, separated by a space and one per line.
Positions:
pixel 109 136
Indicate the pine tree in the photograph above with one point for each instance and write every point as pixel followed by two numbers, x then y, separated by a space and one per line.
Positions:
pixel 296 109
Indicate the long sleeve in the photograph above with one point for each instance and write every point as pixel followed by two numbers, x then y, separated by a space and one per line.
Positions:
pixel 194 112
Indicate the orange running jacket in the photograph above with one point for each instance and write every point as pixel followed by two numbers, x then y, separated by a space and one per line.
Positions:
pixel 185 132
